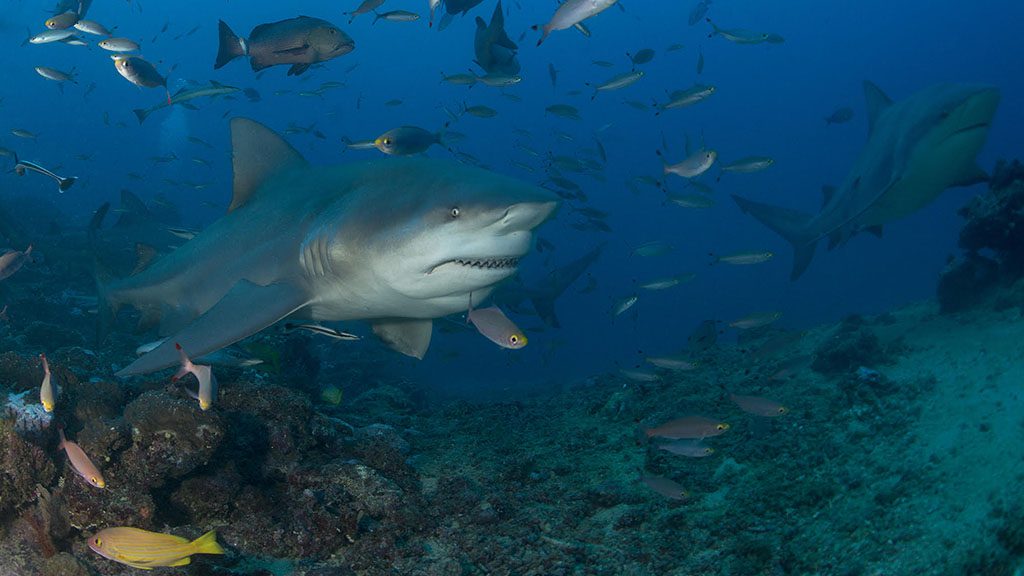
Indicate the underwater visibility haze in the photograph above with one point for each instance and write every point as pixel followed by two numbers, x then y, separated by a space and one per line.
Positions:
pixel 511 287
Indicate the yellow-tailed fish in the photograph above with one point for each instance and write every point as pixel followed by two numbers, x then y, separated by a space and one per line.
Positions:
pixel 46 395
pixel 148 550
pixel 204 374
pixel 81 463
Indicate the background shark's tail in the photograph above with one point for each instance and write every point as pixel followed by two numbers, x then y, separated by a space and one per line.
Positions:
pixel 790 224
pixel 101 275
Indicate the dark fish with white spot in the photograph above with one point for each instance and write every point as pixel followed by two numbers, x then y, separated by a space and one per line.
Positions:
pixel 301 42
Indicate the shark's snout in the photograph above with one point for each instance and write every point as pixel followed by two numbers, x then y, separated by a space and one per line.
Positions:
pixel 527 215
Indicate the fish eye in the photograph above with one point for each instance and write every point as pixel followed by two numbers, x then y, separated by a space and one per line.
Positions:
pixel 455 212
pixel 514 339
pixel 98 541
pixel 387 141
pixel 722 426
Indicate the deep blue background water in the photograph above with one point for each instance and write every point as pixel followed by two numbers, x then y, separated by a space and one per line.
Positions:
pixel 771 100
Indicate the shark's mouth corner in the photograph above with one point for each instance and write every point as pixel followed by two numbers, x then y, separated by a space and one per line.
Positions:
pixel 503 263
pixel 973 127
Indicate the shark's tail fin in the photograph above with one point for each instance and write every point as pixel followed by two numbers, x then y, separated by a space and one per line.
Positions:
pixel 106 312
pixel 790 224
pixel 544 304
pixel 543 299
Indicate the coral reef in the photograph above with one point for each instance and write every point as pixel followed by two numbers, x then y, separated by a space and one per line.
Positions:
pixel 992 241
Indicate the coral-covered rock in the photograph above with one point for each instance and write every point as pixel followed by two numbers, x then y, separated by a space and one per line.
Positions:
pixel 208 497
pixel 170 438
pixel 23 465
pixel 992 240
pixel 90 508
pixel 851 346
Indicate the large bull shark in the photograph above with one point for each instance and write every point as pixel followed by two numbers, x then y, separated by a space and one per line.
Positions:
pixel 396 242
pixel 916 148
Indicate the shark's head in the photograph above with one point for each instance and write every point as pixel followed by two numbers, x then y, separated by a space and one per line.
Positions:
pixel 963 113
pixel 439 230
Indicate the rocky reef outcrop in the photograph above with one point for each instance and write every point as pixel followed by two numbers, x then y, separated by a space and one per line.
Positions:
pixel 991 267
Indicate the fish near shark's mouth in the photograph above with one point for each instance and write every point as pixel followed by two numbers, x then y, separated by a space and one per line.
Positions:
pixel 504 263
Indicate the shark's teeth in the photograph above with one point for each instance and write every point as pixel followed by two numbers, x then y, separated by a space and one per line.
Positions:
pixel 488 263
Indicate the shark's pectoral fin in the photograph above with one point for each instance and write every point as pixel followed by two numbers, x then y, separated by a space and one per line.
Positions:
pixel 245 310
pixel 835 238
pixel 975 175
pixel 790 224
pixel 408 336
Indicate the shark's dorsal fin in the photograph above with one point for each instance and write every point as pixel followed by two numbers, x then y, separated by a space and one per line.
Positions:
pixel 877 102
pixel 144 256
pixel 827 192
pixel 258 154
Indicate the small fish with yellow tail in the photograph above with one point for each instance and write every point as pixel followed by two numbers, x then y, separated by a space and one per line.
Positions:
pixel 147 550
pixel 47 397
pixel 81 463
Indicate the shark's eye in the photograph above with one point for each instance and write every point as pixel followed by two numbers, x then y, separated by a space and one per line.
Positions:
pixel 455 212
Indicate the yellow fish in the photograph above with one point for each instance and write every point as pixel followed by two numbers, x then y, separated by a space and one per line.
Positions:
pixel 147 550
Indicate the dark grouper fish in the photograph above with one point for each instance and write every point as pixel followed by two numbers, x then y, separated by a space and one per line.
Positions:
pixel 301 42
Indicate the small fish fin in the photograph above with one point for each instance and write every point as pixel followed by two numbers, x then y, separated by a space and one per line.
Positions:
pixel 258 154
pixel 245 310
pixel 876 230
pixel 64 183
pixel 877 102
pixel 297 69
pixel 408 336
pixel 144 256
pixel 973 175
pixel 230 47
pixel 827 193
pixel 207 544
pixel 140 114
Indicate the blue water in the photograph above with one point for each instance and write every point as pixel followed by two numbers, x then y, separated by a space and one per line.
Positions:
pixel 771 100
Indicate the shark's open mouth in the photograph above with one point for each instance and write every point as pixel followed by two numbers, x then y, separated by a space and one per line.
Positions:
pixel 483 263
pixel 510 262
